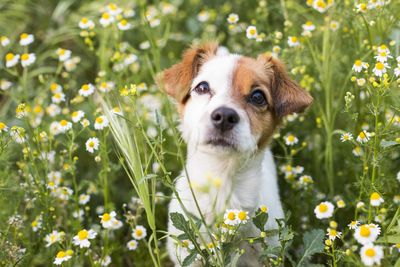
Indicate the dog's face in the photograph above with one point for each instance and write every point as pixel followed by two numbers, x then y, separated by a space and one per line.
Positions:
pixel 231 103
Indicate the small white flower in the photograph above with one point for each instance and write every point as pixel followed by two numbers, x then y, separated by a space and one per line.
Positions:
pixel 367 233
pixel 58 98
pixel 398 176
pixel 86 90
pixel 397 71
pixel 64 126
pixel 83 237
pixel 124 25
pixel 63 54
pixel 108 220
pixel 113 9
pixel 3 127
pixel 11 60
pixel 230 217
pixel 106 19
pixel 376 199
pixel 86 23
pixel 334 25
pixel 53 237
pixel 106 86
pixel 5 85
pixel 363 137
pixel 55 88
pixel 324 210
pixel 359 65
pixel 84 199
pixel 92 144
pixel 203 16
pixel 76 116
pixel 353 225
pixel 139 232
pixel 27 59
pixel 357 151
pixel 251 32
pixel 291 140
pixel 105 261
pixel 308 26
pixel 4 41
pixel 132 244
pixel 371 254
pixel 293 41
pixel 380 69
pixel 233 18
pixel 346 137
pixel 26 39
pixel 63 256
pixel 333 234
pixel 100 123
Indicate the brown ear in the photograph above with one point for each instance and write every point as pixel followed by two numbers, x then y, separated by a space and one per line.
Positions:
pixel 288 96
pixel 177 79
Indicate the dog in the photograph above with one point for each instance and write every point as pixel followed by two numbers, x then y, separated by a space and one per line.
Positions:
pixel 230 106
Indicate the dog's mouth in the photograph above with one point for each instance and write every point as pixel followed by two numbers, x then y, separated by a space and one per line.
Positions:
pixel 221 142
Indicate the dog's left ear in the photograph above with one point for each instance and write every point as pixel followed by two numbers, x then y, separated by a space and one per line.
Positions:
pixel 177 79
pixel 288 96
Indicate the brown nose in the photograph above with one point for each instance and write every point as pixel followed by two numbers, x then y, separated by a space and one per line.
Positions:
pixel 224 119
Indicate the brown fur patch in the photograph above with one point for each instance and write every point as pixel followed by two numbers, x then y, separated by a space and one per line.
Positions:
pixel 177 79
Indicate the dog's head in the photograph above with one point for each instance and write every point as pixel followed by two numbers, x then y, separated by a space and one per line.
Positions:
pixel 229 102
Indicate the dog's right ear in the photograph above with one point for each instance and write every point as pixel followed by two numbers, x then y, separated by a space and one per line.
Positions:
pixel 177 79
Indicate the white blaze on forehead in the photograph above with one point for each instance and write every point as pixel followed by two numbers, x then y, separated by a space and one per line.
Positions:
pixel 218 72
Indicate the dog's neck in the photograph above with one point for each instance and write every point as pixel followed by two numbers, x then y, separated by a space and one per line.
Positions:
pixel 238 174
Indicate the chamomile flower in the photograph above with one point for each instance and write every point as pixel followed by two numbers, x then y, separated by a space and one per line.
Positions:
pixel 361 82
pixel 298 169
pixel 397 71
pixel 353 225
pixel 291 140
pixel 340 203
pixel 230 217
pixel 3 127
pixel 203 16
pixel 27 59
pixel 18 134
pixel 382 57
pixel 84 199
pixel 132 245
pixel 92 144
pixel 26 39
pixel 4 41
pixel 100 123
pixel 53 237
pixel 63 54
pixel 251 32
pixel 11 60
pixel 63 256
pixel 86 23
pixel 363 137
pixel 293 41
pixel 333 234
pixel 361 8
pixel 106 86
pixel 233 18
pixel 113 9
pixel 36 224
pixel 83 237
pixel 53 110
pixel 5 85
pixel 346 137
pixel 367 233
pixel 321 5
pixel 139 232
pixel 106 19
pixel 359 65
pixel 334 25
pixel 76 116
pixel 58 98
pixel 86 90
pixel 105 261
pixel 117 111
pixel 376 199
pixel 305 180
pixel 242 216
pixel 397 176
pixel 324 210
pixel 308 26
pixel 64 126
pixel 380 69
pixel 357 151
pixel 383 48
pixel 108 219
pixel 371 254
pixel 55 88
pixel 124 25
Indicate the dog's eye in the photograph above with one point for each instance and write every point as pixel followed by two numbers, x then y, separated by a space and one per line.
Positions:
pixel 202 88
pixel 257 98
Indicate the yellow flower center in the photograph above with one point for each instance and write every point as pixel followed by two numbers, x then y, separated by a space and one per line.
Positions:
pixel 124 22
pixel 53 86
pixel 370 252
pixel 61 254
pixel 69 252
pixel 332 232
pixel 290 138
pixel 383 54
pixel 323 207
pixel 379 66
pixel 375 196
pixel 99 120
pixel 362 135
pixel 139 232
pixel 53 238
pixel 34 223
pixel 51 184
pixel 365 231
pixel 309 23
pixel 294 39
pixel 105 15
pixel 63 122
pixel 84 20
pixel 2 126
pixel 25 57
pixel 112 6
pixel 9 56
pixel 358 63
pixel 231 216
pixel 321 4
pixel 83 234
pixel 24 36
pixel 75 114
pixel 242 215
pixel 85 87
pixel 264 208
pixel 104 84
pixel 363 6
pixel 61 52
pixel 252 31
pixel 106 217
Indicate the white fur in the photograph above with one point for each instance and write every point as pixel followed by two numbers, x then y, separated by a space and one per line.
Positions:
pixel 248 175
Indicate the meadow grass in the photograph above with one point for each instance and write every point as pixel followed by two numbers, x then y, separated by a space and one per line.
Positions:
pixel 90 146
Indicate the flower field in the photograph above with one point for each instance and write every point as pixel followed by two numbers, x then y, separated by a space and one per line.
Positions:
pixel 90 143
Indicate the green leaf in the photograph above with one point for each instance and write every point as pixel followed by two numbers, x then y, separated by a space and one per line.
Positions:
pixel 260 220
pixel 178 220
pixel 190 258
pixel 313 243
pixel 386 144
pixel 394 239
